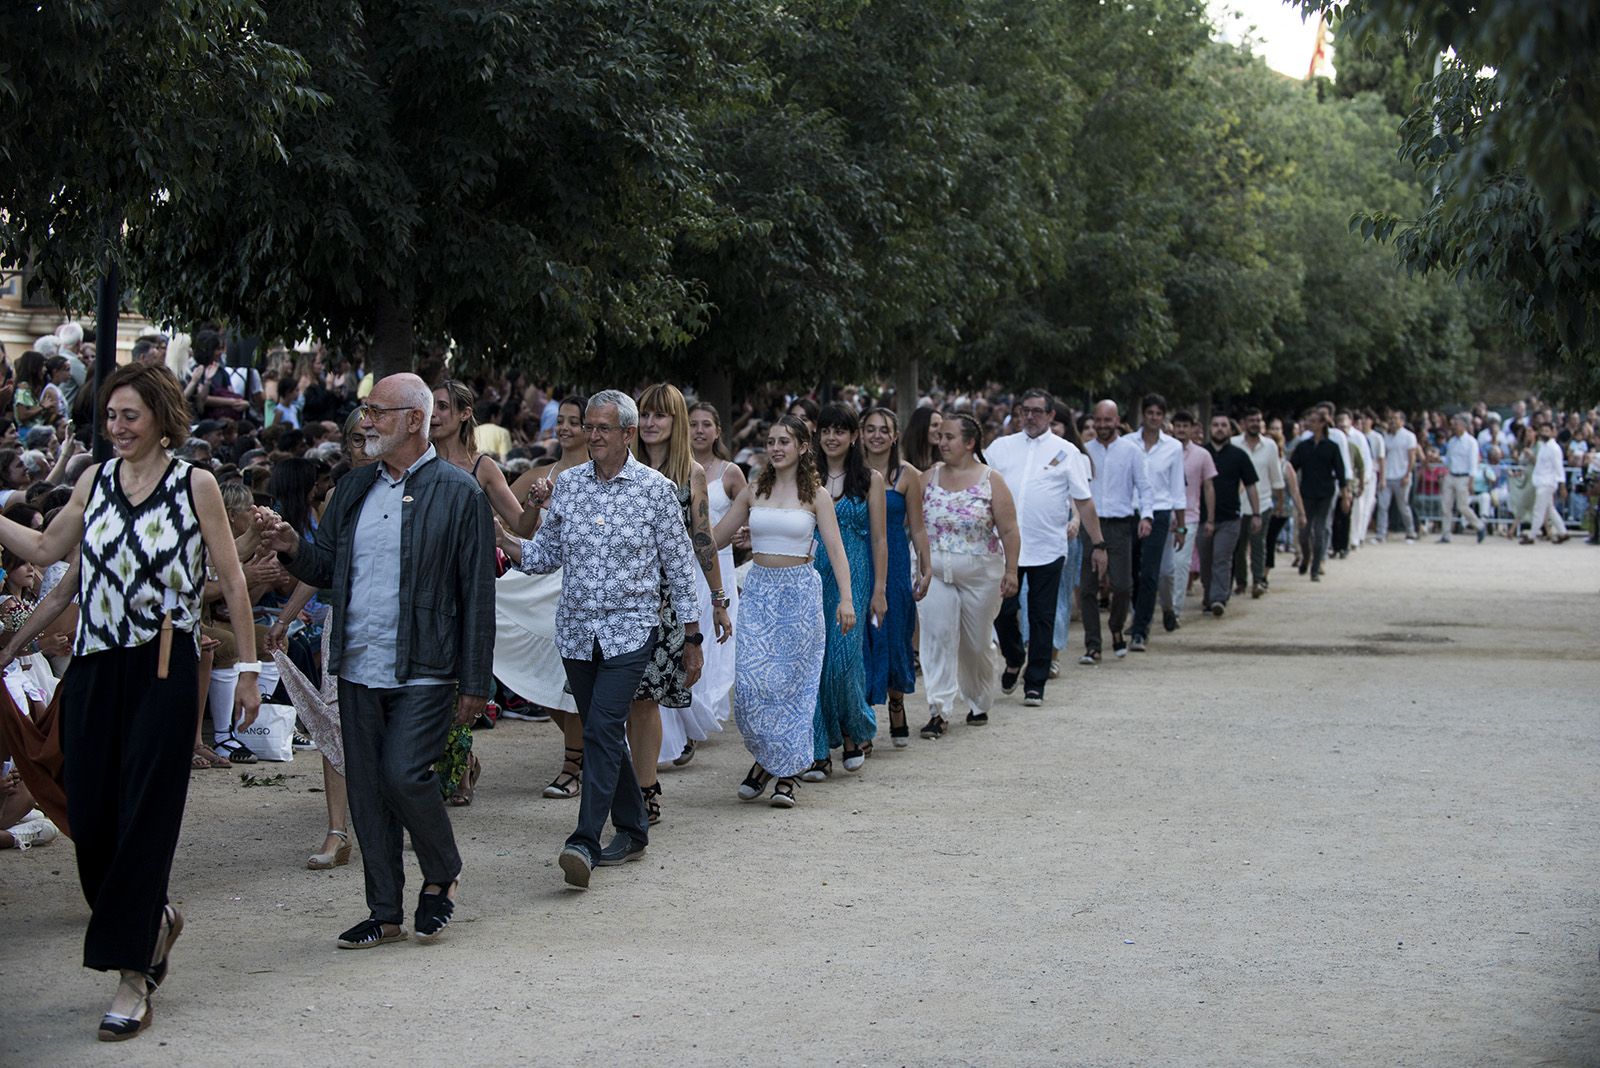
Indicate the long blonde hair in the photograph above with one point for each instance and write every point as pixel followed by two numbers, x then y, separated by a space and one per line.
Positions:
pixel 663 398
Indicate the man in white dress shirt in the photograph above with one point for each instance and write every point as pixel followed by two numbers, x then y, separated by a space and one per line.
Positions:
pixel 1163 460
pixel 1125 503
pixel 1263 453
pixel 1461 463
pixel 1549 472
pixel 1041 471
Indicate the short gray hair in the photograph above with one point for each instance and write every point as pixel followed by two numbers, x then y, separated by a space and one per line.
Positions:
pixel 47 346
pixel 71 335
pixel 627 411
pixel 416 394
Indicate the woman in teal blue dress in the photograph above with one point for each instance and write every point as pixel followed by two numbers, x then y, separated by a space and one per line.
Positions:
pixel 891 648
pixel 843 716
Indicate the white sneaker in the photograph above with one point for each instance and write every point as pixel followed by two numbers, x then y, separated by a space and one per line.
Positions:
pixel 36 832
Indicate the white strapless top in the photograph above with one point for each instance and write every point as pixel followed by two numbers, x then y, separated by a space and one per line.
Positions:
pixel 781 531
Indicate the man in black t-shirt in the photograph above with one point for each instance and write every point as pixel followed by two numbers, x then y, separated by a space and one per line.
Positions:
pixel 1219 532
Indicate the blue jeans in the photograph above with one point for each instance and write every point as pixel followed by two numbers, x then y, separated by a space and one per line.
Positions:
pixel 603 690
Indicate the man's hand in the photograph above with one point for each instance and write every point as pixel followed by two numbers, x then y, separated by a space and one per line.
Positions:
pixel 1255 524
pixel 694 661
pixel 276 635
pixel 1177 538
pixel 722 623
pixel 541 491
pixel 1009 583
pixel 1144 529
pixel 508 542
pixel 468 708
pixel 1100 562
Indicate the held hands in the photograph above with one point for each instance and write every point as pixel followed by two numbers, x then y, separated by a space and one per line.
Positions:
pixel 275 534
pixel 741 539
pixel 1009 583
pixel 276 635
pixel 541 491
pixel 694 661
pixel 508 542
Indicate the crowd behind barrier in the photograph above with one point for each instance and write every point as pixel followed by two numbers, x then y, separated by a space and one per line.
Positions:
pixel 1021 517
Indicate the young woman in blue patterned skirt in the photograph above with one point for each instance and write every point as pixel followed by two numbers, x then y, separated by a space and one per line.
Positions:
pixel 778 658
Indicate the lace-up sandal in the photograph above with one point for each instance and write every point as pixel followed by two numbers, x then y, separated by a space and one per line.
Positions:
pixel 783 793
pixel 566 785
pixel 171 928
pixel 652 804
pixel 117 1028
pixel 754 783
pixel 899 732
pixel 817 772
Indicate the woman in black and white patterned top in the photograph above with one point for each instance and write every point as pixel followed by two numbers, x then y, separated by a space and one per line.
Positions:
pixel 144 523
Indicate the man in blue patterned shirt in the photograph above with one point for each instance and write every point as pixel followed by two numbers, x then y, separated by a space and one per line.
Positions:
pixel 615 528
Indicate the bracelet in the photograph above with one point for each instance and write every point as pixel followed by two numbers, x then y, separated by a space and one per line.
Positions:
pixel 1183 530
pixel 251 666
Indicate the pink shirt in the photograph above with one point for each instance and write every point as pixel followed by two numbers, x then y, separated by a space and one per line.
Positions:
pixel 1197 467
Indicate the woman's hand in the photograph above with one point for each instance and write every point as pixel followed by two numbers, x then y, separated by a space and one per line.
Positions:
pixel 1009 583
pixel 246 702
pixel 878 609
pixel 741 539
pixel 845 616
pixel 541 491
pixel 56 644
pixel 919 589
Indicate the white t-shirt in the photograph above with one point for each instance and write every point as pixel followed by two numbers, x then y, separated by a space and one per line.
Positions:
pixel 1397 453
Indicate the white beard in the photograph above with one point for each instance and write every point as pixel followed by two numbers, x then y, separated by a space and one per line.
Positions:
pixel 381 445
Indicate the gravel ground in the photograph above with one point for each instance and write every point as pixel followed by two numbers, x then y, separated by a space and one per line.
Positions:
pixel 1348 824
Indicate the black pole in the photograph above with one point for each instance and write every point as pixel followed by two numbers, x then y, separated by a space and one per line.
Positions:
pixel 105 348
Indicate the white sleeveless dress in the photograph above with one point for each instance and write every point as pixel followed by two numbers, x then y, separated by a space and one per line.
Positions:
pixel 713 694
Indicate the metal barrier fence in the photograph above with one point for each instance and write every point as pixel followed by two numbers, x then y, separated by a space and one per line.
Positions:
pixel 1492 497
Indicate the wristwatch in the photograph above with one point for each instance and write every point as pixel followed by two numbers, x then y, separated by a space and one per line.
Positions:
pixel 1098 545
pixel 1183 530
pixel 694 639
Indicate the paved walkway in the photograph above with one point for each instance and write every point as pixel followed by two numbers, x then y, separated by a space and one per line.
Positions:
pixel 1348 824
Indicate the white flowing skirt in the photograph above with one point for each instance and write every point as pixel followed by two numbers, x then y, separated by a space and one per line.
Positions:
pixel 713 694
pixel 525 656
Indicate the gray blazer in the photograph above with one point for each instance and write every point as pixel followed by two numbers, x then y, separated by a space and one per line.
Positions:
pixel 446 573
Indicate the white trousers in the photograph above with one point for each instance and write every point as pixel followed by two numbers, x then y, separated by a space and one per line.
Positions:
pixel 1456 496
pixel 1545 512
pixel 1361 521
pixel 957 622
pixel 1175 572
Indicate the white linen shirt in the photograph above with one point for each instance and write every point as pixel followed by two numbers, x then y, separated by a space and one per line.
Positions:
pixel 1121 481
pixel 1163 462
pixel 1461 455
pixel 614 541
pixel 1269 473
pixel 1044 478
pixel 1549 469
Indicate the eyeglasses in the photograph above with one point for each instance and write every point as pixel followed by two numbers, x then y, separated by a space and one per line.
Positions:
pixel 1028 409
pixel 374 411
pixel 600 428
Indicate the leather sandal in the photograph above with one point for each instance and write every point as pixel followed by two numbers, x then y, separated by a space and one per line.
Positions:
pixel 567 785
pixel 463 795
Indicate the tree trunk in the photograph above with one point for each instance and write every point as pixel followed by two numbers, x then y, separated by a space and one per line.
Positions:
pixel 905 388
pixel 716 389
pixel 105 349
pixel 394 342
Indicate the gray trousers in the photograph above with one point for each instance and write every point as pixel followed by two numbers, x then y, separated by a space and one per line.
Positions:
pixel 603 690
pixel 392 738
pixel 1395 490
pixel 1216 561
pixel 1118 533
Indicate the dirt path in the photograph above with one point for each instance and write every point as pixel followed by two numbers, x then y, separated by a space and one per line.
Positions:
pixel 1349 824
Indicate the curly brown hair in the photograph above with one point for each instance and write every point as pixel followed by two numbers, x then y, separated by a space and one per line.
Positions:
pixel 806 480
pixel 159 391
